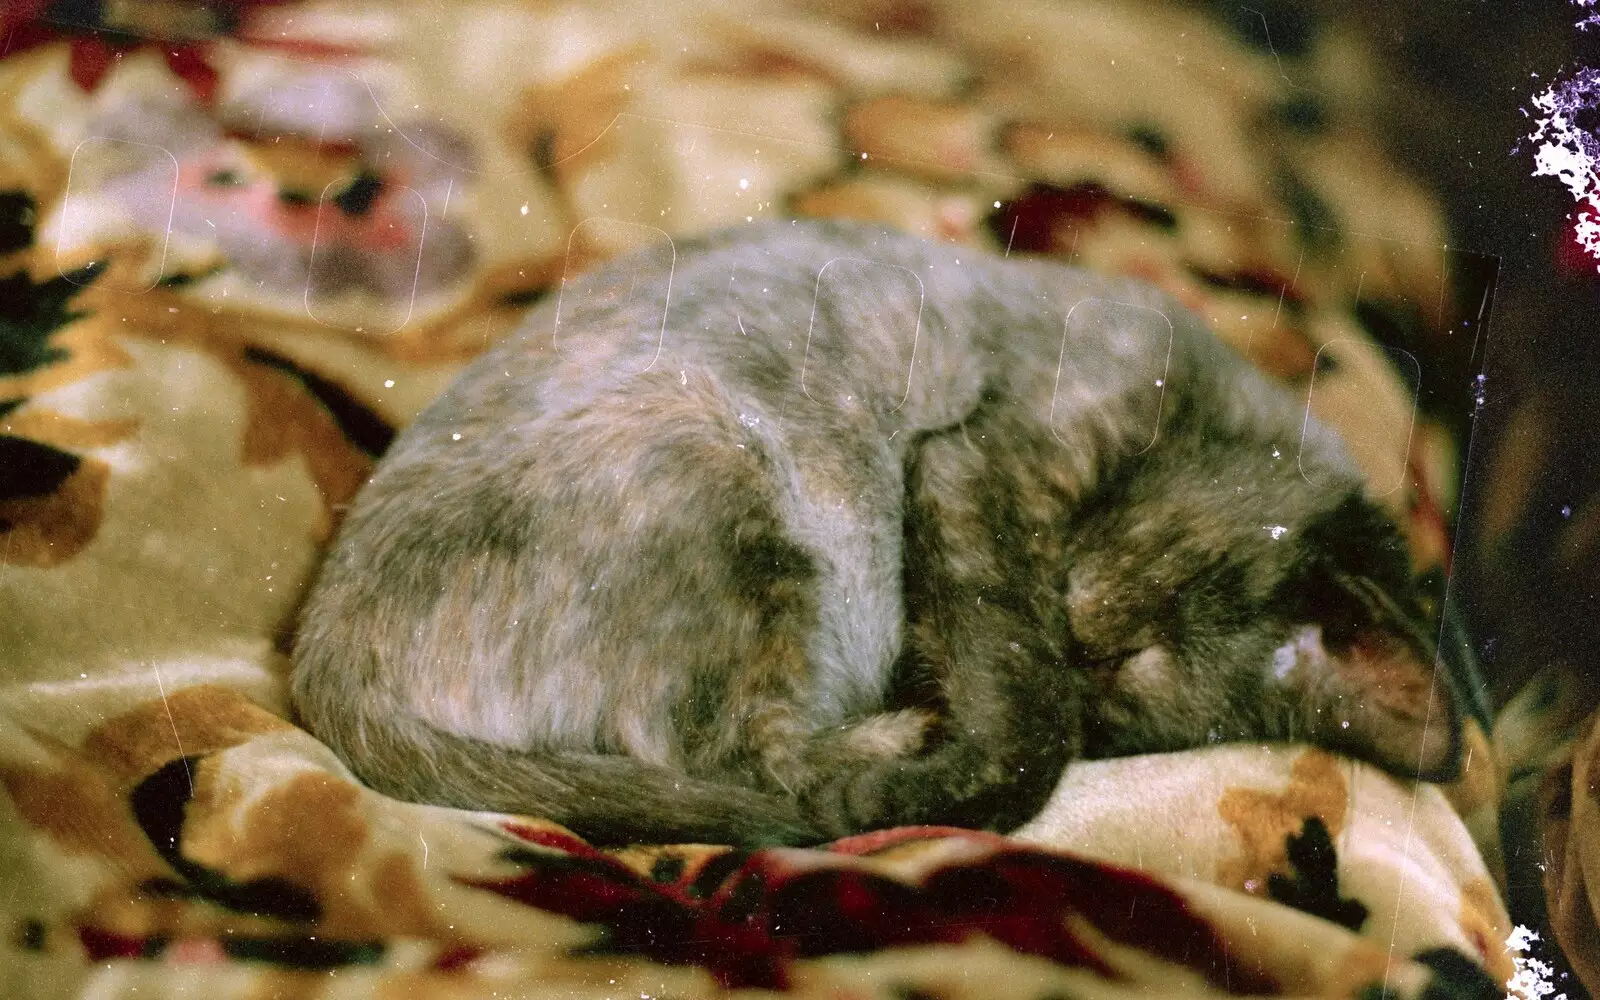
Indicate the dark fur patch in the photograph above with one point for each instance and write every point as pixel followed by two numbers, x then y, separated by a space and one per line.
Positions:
pixel 1353 534
pixel 767 566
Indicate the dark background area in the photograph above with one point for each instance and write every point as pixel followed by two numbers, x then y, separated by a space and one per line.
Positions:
pixel 1527 571
pixel 1461 74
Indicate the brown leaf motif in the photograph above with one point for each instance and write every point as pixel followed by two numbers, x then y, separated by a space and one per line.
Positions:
pixel 1264 820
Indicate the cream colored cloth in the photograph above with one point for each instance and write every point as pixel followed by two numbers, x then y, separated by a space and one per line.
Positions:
pixel 234 304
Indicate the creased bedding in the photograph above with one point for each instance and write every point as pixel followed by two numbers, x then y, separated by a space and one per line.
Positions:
pixel 242 244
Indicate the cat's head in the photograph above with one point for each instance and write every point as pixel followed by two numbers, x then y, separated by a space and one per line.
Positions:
pixel 1257 608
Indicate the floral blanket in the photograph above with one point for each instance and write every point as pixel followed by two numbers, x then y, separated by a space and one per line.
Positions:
pixel 241 244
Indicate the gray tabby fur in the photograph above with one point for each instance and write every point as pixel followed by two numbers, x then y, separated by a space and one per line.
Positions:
pixel 862 531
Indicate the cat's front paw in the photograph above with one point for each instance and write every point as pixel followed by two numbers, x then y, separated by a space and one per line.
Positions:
pixel 957 785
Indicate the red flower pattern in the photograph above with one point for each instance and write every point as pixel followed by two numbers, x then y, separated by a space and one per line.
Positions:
pixel 96 44
pixel 747 921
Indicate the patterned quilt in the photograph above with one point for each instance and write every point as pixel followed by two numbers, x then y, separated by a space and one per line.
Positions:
pixel 241 244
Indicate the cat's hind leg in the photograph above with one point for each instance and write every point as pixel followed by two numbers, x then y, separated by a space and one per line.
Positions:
pixel 981 516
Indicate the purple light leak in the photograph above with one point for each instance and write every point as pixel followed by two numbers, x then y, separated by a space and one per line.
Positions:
pixel 1593 20
pixel 1566 141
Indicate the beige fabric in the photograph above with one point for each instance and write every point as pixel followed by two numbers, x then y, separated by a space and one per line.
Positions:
pixel 224 385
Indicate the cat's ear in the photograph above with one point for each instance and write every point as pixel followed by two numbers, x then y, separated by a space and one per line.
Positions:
pixel 1356 538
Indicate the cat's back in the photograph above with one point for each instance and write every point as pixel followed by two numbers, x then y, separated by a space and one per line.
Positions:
pixel 820 335
pixel 826 315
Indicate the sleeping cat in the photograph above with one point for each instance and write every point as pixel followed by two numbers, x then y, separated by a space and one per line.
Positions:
pixel 800 530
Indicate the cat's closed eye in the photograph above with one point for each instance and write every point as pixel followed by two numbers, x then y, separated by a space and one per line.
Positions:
pixel 1115 652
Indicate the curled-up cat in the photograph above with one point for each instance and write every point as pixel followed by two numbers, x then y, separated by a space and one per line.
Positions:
pixel 800 530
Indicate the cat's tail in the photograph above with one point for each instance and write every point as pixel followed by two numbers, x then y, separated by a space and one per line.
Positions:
pixel 607 799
